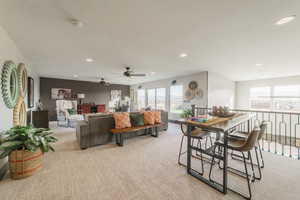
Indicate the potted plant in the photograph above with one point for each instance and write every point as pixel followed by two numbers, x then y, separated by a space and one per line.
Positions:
pixel 25 146
pixel 187 113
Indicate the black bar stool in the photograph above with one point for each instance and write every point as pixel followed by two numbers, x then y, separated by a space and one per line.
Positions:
pixel 197 134
pixel 242 146
pixel 243 136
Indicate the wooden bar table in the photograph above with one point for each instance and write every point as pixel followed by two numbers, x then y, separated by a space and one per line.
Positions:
pixel 220 126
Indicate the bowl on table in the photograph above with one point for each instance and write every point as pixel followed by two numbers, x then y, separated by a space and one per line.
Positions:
pixel 221 111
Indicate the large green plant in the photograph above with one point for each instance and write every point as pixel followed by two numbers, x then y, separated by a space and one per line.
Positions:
pixel 26 138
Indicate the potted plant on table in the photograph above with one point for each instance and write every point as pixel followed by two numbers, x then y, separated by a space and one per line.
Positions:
pixel 187 113
pixel 25 146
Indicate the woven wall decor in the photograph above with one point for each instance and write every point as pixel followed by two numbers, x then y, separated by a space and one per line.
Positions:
pixel 189 94
pixel 20 114
pixel 199 93
pixel 22 76
pixel 10 84
pixel 193 91
pixel 193 85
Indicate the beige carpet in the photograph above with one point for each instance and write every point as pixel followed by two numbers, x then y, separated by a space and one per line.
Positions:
pixel 145 168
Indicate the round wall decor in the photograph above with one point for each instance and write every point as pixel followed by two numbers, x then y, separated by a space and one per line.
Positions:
pixel 20 114
pixel 22 76
pixel 193 85
pixel 10 84
pixel 199 93
pixel 189 95
pixel 192 91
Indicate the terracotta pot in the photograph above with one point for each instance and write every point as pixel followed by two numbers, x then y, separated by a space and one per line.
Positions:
pixel 23 163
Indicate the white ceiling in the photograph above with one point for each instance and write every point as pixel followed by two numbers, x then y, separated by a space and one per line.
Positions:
pixel 228 37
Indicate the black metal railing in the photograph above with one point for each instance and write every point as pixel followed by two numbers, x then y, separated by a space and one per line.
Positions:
pixel 283 130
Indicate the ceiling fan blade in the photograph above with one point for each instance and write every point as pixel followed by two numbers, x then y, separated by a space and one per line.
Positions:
pixel 89 77
pixel 137 74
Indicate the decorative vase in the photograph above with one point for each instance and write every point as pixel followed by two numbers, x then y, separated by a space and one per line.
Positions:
pixel 23 163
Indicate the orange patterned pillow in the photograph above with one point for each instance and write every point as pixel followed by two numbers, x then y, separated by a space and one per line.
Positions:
pixel 157 117
pixel 122 120
pixel 149 118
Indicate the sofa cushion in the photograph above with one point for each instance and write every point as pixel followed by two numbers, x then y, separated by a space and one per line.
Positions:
pixel 157 117
pixel 122 120
pixel 95 130
pixel 137 119
pixel 149 118
pixel 88 116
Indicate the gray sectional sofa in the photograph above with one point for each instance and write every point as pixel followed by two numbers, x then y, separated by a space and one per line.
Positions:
pixel 95 129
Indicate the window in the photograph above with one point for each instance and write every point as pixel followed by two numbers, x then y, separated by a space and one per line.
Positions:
pixel 284 98
pixel 260 98
pixel 141 98
pixel 287 91
pixel 157 98
pixel 151 98
pixel 161 98
pixel 176 98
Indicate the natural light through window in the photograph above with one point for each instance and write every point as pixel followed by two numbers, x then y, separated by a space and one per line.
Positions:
pixel 151 98
pixel 141 98
pixel 260 98
pixel 161 98
pixel 286 98
pixel 176 98
pixel 281 97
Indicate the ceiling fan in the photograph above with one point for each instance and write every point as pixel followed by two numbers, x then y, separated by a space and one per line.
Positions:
pixel 103 82
pixel 130 73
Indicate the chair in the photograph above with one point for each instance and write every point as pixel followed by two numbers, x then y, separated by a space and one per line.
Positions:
pixel 196 134
pixel 243 135
pixel 242 146
pixel 64 118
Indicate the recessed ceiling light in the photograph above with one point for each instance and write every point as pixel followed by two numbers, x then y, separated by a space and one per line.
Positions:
pixel 183 55
pixel 286 20
pixel 75 76
pixel 259 64
pixel 89 60
pixel 76 23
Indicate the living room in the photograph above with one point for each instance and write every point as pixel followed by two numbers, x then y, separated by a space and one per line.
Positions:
pixel 149 100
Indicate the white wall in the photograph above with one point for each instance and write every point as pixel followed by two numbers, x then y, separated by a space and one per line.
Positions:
pixel 243 88
pixel 9 51
pixel 221 91
pixel 201 79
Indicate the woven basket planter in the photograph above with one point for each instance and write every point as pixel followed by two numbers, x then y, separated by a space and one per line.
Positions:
pixel 24 163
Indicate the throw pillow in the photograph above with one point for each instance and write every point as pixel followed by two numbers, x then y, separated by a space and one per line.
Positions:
pixel 149 118
pixel 122 120
pixel 72 111
pixel 157 117
pixel 137 119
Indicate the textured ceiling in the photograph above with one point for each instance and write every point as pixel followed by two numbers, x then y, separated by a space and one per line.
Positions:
pixel 227 37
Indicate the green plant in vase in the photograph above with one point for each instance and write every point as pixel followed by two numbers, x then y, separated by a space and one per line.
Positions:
pixel 25 146
pixel 186 113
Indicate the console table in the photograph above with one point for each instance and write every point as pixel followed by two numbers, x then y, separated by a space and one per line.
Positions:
pixel 40 119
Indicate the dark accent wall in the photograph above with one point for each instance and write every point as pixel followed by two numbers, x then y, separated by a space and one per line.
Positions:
pixel 94 92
